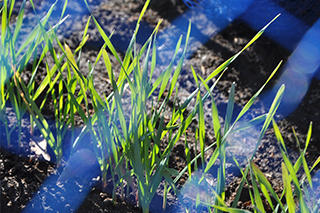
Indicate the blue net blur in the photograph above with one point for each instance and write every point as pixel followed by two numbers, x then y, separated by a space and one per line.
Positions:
pixel 216 8
pixel 307 11
pixel 193 3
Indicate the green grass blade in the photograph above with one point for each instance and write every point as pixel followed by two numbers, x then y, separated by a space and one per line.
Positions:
pixel 307 172
pixel 179 66
pixel 279 136
pixel 146 4
pixel 186 103
pixel 229 61
pixel 201 130
pixel 19 22
pixel 251 123
pixel 267 196
pixel 35 32
pixel 37 115
pixel 12 3
pixel 308 137
pixel 144 77
pixel 121 117
pixel 260 32
pixel 243 180
pixel 44 83
pixel 256 193
pixel 64 8
pixel 297 139
pixel 263 180
pixel 274 106
pixel 105 37
pixel 292 170
pixel 229 108
pixel 167 72
pixel 250 102
pixel 216 123
pixel 287 189
pixel 61 101
pixel 154 56
pixel 82 43
pixel 70 57
pixel 315 163
pixel 4 22
pixel 108 65
pixel 187 153
pixel 215 114
pixel 316 207
pixel 23 61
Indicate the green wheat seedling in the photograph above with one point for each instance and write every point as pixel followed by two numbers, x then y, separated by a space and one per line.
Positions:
pixel 295 199
pixel 132 148
pixel 66 108
pixel 260 184
pixel 289 171
pixel 228 127
pixel 129 144
pixel 139 139
pixel 14 57
pixel 220 152
pixel 53 84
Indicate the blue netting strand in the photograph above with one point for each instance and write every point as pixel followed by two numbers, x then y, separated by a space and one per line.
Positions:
pixel 192 3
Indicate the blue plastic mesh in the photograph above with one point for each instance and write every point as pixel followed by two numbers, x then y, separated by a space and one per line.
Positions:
pixel 306 10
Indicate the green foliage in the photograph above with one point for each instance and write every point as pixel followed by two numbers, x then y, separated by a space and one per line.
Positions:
pixel 128 144
pixel 14 57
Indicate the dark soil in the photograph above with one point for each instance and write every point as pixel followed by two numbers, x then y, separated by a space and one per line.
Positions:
pixel 23 172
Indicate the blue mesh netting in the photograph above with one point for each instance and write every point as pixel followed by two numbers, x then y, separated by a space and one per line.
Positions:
pixel 217 7
pixel 306 10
